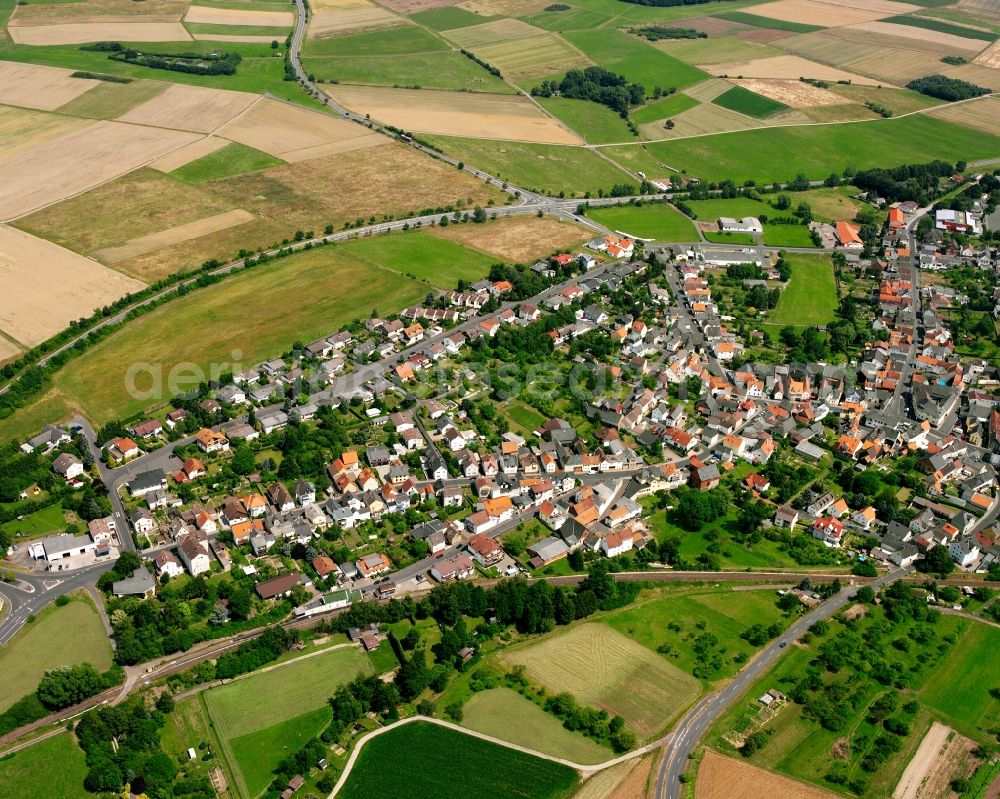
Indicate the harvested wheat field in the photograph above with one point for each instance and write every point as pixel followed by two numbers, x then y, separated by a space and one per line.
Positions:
pixel 783 67
pixel 296 134
pixel 812 12
pixel 21 130
pixel 701 120
pixel 793 93
pixel 62 167
pixel 80 33
pixel 502 30
pixel 191 152
pixel 340 20
pixel 41 88
pixel 533 56
pixel 226 16
pixel 8 350
pixel 506 8
pixel 47 287
pixel 603 668
pixel 942 756
pixel 56 13
pixel 982 114
pixel 707 90
pixel 517 240
pixel 728 778
pixel 192 108
pixel 990 57
pixel 919 36
pixel 974 73
pixel 622 781
pixel 413 6
pixel 175 235
pixel 483 116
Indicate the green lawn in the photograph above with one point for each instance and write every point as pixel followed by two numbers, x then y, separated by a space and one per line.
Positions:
pixel 423 257
pixel 233 159
pixel 747 102
pixel 737 207
pixel 420 760
pixel 635 59
pixel 663 109
pixel 393 41
pixel 811 295
pixel 51 768
pixel 212 326
pixel 62 636
pixel 787 236
pixel 528 419
pixel 780 153
pixel 544 167
pixel 657 221
pixel 730 238
pixel 503 713
pixel 47 521
pixel 596 123
pixel 766 22
pixel 431 70
pixel 259 752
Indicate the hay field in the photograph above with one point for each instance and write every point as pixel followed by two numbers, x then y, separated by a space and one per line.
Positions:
pixel 485 116
pixel 517 240
pixel 38 87
pixel 722 777
pixel 8 351
pixel 707 90
pixel 191 152
pixel 80 33
pixel 534 56
pixel 21 130
pixel 982 114
pixel 811 12
pixel 990 57
pixel 235 38
pixel 47 287
pixel 701 120
pixel 886 35
pixel 54 13
pixel 919 36
pixel 79 160
pixel 974 73
pixel 783 67
pixel 296 134
pixel 886 64
pixel 192 108
pixel 174 235
pixel 228 16
pixel 714 51
pixel 501 30
pixel 793 93
pixel 333 19
pixel 603 668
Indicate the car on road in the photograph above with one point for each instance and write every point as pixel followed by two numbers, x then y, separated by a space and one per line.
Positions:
pixel 783 644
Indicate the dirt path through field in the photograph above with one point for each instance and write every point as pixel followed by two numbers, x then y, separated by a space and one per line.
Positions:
pixel 925 758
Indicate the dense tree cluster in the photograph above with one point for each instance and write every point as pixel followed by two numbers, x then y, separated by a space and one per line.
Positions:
pixel 598 85
pixel 945 88
pixel 696 509
pixel 917 182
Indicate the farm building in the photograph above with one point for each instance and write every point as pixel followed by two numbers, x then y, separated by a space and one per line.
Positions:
pixel 748 224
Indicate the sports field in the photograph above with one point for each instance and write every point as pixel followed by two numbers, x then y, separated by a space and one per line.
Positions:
pixel 817 150
pixel 210 326
pixel 503 713
pixel 246 712
pixel 603 668
pixel 811 295
pixel 53 767
pixel 63 636
pixel 657 221
pixel 540 167
pixel 420 753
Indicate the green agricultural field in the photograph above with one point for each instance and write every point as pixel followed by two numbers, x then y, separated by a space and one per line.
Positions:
pixel 253 715
pixel 663 109
pixel 635 59
pixel 110 100
pixel 393 41
pixel 258 753
pixel 766 22
pixel 420 753
pixel 572 19
pixel 503 713
pixel 636 158
pixel 811 295
pixel 960 691
pixel 226 162
pixel 62 636
pixel 595 123
pixel 746 102
pixel 448 18
pixel 942 27
pixel 51 768
pixel 605 669
pixel 47 521
pixel 657 221
pixel 725 613
pixel 209 29
pixel 715 50
pixel 787 236
pixel 420 256
pixel 434 70
pixel 551 168
pixel 211 326
pixel 780 153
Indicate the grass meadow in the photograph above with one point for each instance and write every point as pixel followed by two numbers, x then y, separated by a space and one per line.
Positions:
pixel 787 236
pixel 749 103
pixel 767 22
pixel 650 221
pixel 54 767
pixel 257 753
pixel 431 70
pixel 595 123
pixel 635 59
pixel 47 521
pixel 411 762
pixel 663 109
pixel 810 298
pixel 233 159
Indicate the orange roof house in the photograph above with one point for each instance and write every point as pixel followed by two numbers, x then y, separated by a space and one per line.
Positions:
pixel 847 235
pixel 897 218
